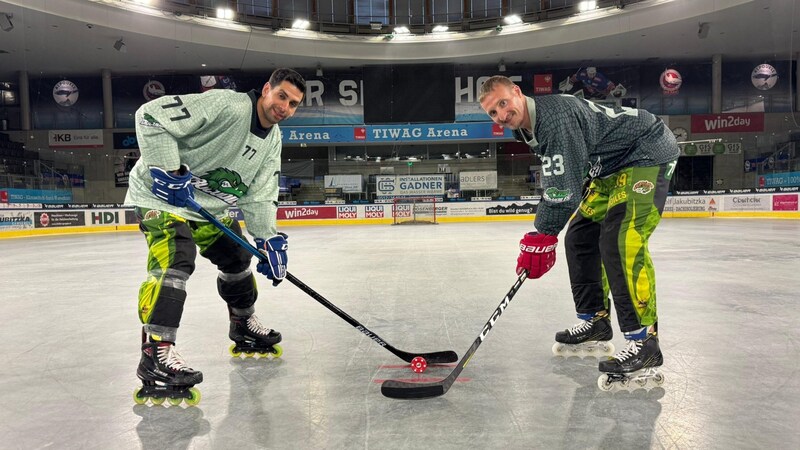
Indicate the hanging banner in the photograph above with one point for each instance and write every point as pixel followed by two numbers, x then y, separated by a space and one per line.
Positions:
pixel 409 185
pixel 711 148
pixel 349 184
pixel 394 133
pixel 75 138
pixel 477 181
pixel 728 123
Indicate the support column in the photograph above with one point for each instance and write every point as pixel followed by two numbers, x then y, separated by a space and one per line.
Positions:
pixel 797 82
pixel 24 102
pixel 716 84
pixel 108 103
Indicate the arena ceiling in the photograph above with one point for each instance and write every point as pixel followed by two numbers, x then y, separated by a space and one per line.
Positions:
pixel 77 37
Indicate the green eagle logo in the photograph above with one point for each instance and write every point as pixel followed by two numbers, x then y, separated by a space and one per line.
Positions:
pixel 225 181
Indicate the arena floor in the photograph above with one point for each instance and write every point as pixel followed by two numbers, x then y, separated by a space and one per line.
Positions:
pixel 728 303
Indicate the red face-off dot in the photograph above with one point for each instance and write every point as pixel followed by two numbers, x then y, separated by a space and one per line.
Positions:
pixel 418 364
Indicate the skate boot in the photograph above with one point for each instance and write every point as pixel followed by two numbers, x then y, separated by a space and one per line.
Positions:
pixel 251 337
pixel 634 367
pixel 590 337
pixel 165 375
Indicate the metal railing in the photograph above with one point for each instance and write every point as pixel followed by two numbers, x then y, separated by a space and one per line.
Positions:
pixel 336 17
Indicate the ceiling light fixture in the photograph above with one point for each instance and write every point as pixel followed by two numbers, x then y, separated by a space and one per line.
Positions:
pixel 375 25
pixel 225 13
pixel 501 66
pixel 440 28
pixel 319 70
pixel 702 30
pixel 587 6
pixel 513 19
pixel 120 46
pixel 5 21
pixel 401 29
pixel 301 24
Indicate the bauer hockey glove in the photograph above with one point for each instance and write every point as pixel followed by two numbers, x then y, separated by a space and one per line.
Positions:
pixel 274 249
pixel 537 254
pixel 173 189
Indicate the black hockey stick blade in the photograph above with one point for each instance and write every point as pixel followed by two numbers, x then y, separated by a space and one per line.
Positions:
pixel 447 356
pixel 433 357
pixel 405 390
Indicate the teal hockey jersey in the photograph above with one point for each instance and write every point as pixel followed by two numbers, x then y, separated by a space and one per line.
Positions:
pixel 577 140
pixel 216 134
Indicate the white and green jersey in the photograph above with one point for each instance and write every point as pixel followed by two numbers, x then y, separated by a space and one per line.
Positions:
pixel 577 139
pixel 218 136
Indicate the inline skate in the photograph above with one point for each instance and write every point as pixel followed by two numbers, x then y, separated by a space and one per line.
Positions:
pixel 634 367
pixel 165 376
pixel 590 337
pixel 251 337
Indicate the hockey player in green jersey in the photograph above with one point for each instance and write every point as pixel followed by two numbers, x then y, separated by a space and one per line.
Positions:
pixel 611 167
pixel 221 148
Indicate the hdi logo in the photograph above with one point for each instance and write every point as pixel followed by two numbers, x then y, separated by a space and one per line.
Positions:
pixel 102 218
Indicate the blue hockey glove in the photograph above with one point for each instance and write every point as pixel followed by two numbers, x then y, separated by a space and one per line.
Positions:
pixel 173 189
pixel 274 249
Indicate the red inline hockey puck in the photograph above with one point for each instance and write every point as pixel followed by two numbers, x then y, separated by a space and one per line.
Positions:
pixel 418 364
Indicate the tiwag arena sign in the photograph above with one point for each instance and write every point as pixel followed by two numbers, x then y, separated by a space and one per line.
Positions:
pixel 728 123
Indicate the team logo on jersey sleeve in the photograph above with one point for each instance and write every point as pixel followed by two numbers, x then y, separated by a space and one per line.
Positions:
pixel 149 121
pixel 222 183
pixel 556 195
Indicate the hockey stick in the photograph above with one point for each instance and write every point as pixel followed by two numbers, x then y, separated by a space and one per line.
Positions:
pixel 402 389
pixel 433 357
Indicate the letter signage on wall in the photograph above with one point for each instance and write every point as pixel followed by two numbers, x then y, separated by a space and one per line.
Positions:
pixel 439 132
pixel 75 138
pixel 349 184
pixel 728 123
pixel 409 185
pixel 477 181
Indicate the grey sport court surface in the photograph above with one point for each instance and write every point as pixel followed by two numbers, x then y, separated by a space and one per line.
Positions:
pixel 729 296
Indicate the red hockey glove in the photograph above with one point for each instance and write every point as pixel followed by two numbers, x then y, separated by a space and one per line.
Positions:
pixel 537 254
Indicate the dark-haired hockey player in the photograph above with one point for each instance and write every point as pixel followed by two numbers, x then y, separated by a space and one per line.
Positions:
pixel 232 143
pixel 627 157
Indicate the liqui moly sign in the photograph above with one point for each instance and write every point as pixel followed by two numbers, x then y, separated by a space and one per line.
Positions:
pixel 728 123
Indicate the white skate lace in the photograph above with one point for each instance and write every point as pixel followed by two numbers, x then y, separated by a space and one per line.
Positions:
pixel 580 328
pixel 170 357
pixel 631 350
pixel 254 325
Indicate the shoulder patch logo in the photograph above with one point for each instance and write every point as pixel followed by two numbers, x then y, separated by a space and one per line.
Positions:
pixel 151 214
pixel 556 195
pixel 149 121
pixel 643 187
